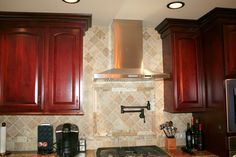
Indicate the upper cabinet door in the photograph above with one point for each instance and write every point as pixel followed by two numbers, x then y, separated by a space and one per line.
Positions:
pixel 65 68
pixel 21 55
pixel 230 49
pixel 182 58
pixel 188 73
pixel 41 62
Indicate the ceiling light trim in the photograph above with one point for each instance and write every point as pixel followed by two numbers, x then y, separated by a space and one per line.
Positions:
pixel 71 1
pixel 175 5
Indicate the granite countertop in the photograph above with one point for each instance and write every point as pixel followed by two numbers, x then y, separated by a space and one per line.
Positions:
pixel 91 153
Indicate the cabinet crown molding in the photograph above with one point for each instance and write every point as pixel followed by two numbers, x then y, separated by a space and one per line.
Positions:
pixel 84 19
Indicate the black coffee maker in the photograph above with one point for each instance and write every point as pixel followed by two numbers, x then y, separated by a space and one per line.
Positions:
pixel 67 136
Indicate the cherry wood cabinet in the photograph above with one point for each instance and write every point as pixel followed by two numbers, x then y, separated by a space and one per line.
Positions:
pixel 41 62
pixel 199 54
pixel 229 30
pixel 218 37
pixel 21 69
pixel 182 58
pixel 214 118
pixel 65 68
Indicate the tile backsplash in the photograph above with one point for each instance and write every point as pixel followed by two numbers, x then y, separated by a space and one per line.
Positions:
pixel 103 124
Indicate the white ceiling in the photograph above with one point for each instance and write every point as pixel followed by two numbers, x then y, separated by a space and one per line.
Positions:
pixel 152 12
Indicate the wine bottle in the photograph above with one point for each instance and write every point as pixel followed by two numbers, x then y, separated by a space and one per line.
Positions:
pixel 196 134
pixel 192 132
pixel 188 136
pixel 200 137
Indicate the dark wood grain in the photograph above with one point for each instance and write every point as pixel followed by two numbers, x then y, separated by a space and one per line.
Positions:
pixel 65 61
pixel 230 49
pixel 218 31
pixel 21 72
pixel 41 62
pixel 182 58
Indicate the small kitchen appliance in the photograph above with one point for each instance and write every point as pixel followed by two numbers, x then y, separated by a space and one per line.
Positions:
pixel 67 142
pixel 133 151
pixel 230 91
pixel 45 139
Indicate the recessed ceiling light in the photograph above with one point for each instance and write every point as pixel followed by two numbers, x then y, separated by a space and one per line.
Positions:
pixel 175 5
pixel 71 1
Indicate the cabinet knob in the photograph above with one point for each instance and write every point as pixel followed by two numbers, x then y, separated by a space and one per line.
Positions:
pixel 39 99
pixel 77 100
pixel 39 102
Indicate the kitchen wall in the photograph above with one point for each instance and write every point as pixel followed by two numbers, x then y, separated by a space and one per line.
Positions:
pixel 102 123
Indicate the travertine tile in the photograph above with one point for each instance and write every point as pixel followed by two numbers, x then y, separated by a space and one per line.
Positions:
pixel 102 105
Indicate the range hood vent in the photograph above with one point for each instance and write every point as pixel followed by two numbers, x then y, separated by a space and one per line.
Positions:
pixel 128 54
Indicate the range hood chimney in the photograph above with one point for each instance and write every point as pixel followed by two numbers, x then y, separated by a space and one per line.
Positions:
pixel 128 53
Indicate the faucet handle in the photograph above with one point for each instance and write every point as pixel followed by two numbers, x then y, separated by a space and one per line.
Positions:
pixel 142 115
pixel 148 105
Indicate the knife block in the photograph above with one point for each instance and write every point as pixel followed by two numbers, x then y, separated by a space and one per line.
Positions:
pixel 170 143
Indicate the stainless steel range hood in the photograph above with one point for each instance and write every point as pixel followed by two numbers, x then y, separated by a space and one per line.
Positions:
pixel 128 53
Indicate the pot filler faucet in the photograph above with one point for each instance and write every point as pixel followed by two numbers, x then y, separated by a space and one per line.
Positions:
pixel 126 109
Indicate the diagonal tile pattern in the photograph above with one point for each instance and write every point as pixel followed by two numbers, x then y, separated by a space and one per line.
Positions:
pixel 103 124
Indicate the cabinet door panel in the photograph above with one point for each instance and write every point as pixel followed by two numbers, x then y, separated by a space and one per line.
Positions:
pixel 21 57
pixel 188 71
pixel 214 66
pixel 64 79
pixel 187 74
pixel 64 68
pixel 230 49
